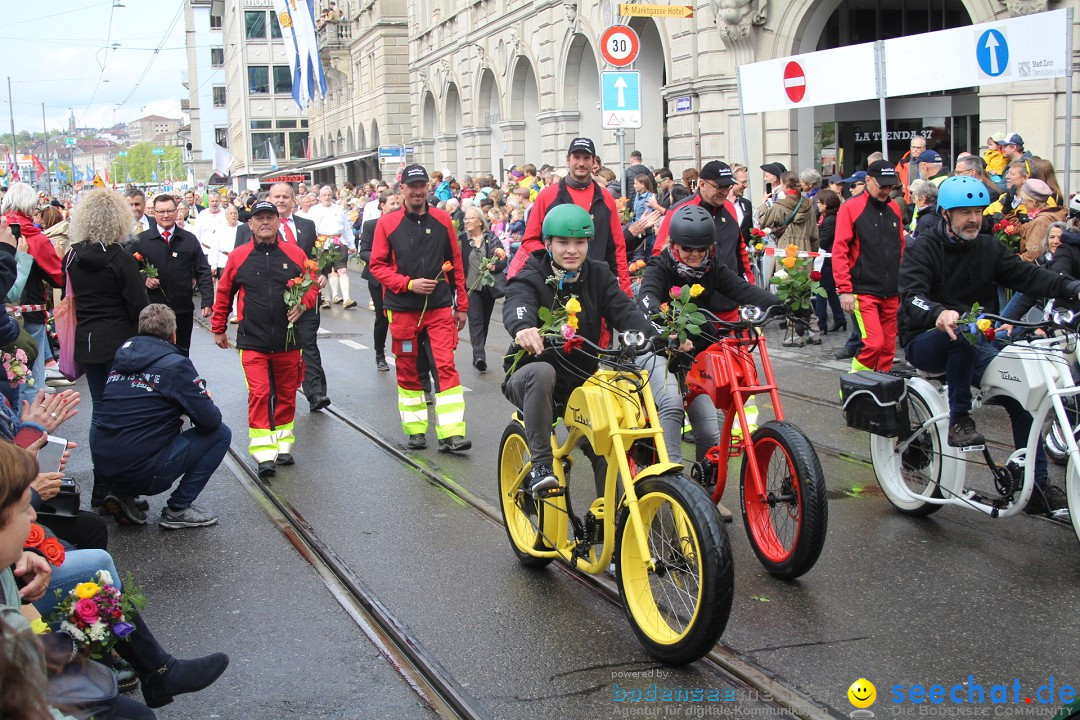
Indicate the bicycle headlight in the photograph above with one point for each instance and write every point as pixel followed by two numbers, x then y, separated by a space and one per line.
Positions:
pixel 750 313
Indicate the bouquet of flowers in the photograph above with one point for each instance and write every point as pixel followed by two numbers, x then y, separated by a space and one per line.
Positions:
pixel 145 269
pixel 446 267
pixel 680 316
pixel 1007 234
pixel 626 213
pixel 797 281
pixel 95 614
pixel 49 546
pixel 296 290
pixel 486 278
pixel 17 371
pixel 327 251
pixel 637 269
pixel 560 320
pixel 973 326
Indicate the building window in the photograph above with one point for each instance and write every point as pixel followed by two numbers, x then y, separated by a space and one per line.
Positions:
pixel 275 28
pixel 261 142
pixel 215 22
pixel 303 122
pixel 219 96
pixel 255 24
pixel 217 57
pixel 298 145
pixel 221 137
pixel 282 80
pixel 286 123
pixel 258 79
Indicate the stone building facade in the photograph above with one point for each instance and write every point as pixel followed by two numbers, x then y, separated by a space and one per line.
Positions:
pixel 474 86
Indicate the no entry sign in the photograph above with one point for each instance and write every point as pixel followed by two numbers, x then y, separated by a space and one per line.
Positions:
pixel 794 81
pixel 619 45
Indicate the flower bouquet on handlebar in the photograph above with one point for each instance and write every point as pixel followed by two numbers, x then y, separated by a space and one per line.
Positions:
pixel 796 283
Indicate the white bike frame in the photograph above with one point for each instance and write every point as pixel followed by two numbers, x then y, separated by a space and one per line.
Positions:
pixel 1034 372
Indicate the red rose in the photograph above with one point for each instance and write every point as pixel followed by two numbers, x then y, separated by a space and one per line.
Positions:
pixel 87 611
pixel 54 551
pixel 36 536
pixel 573 344
pixel 989 333
pixel 815 275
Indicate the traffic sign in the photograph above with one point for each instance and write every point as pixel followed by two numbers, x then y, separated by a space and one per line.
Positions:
pixel 69 141
pixel 158 151
pixel 619 45
pixel 673 11
pixel 393 152
pixel 992 52
pixel 122 153
pixel 620 105
pixel 794 81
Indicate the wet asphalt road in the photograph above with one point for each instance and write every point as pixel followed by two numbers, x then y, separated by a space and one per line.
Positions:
pixel 893 599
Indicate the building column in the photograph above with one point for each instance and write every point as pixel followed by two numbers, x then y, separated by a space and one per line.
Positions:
pixel 477 150
pixel 558 127
pixel 447 154
pixel 513 141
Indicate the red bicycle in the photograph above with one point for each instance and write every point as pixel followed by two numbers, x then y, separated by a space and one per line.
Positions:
pixel 781 485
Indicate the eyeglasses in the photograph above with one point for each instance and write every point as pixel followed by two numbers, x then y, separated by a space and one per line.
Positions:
pixel 692 251
pixel 159 211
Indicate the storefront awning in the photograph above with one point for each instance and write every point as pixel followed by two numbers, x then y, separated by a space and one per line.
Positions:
pixel 330 162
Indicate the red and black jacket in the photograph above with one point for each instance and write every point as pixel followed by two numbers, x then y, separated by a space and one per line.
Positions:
pixel 608 243
pixel 180 263
pixel 408 246
pixel 868 247
pixel 730 248
pixel 257 274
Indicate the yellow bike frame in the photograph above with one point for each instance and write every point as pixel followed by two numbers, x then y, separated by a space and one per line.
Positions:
pixel 611 413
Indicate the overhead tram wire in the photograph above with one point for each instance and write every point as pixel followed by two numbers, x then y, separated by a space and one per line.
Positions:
pixel 104 62
pixel 157 51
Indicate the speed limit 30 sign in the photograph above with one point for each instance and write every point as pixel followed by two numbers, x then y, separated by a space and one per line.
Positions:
pixel 619 45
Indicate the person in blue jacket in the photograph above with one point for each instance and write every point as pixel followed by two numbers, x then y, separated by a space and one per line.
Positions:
pixel 139 447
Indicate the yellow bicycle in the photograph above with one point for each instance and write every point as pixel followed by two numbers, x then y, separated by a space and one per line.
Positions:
pixel 674 567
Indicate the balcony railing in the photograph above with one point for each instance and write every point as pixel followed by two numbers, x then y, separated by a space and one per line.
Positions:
pixel 334 35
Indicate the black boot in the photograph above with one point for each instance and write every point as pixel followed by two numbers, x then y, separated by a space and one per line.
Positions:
pixel 162 675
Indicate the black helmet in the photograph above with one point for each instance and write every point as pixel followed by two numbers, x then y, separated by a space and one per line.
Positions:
pixel 692 226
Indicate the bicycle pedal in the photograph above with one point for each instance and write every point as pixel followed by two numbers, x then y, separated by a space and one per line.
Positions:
pixel 725 514
pixel 971 448
pixel 551 493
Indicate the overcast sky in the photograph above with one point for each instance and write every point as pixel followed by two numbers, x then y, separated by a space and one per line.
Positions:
pixel 58 52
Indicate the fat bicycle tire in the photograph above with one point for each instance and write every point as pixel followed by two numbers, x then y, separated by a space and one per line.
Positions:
pixel 786 520
pixel 519 511
pixel 918 469
pixel 680 609
pixel 1072 497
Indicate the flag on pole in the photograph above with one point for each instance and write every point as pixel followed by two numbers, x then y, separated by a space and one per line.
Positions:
pixel 61 177
pixel 89 172
pixel 223 160
pixel 273 155
pixel 13 169
pixel 153 177
pixel 77 173
pixel 297 20
pixel 38 167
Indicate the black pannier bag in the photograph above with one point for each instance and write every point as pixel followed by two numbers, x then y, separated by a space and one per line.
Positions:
pixel 876 403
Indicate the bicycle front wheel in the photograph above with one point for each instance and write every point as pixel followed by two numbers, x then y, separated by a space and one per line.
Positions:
pixel 785 511
pixel 1072 495
pixel 519 510
pixel 679 608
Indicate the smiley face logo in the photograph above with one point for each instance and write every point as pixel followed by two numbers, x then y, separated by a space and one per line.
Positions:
pixel 862 693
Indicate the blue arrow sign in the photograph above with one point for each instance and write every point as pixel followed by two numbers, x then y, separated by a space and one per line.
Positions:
pixel 621 91
pixel 992 53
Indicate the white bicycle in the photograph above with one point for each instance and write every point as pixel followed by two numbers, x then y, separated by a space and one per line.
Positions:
pixel 918 470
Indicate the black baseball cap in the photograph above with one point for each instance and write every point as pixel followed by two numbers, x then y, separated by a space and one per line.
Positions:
pixel 264 206
pixel 836 179
pixel 718 172
pixel 581 144
pixel 414 173
pixel 775 168
pixel 883 172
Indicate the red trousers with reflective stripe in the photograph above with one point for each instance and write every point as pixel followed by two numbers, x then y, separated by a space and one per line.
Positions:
pixel 441 329
pixel 877 325
pixel 272 380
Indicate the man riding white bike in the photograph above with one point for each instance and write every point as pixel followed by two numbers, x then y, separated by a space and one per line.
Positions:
pixel 952 267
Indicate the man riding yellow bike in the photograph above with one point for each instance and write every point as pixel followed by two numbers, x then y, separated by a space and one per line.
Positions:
pixel 539 383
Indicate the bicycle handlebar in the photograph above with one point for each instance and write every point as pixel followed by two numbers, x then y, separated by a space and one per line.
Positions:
pixel 1057 319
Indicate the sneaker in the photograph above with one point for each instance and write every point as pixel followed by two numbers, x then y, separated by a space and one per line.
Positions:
pixel 962 433
pixel 380 362
pixel 371 305
pixel 454 443
pixel 416 441
pixel 189 517
pixel 285 459
pixel 541 480
pixel 845 353
pixel 337 299
pixel 325 303
pixel 141 502
pixel 123 508
pixel 480 365
pixel 267 469
pixel 233 319
pixel 350 303
pixel 58 381
pixel 1045 499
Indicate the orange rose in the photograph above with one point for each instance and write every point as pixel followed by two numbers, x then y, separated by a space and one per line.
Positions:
pixel 138 257
pixel 791 250
pixel 789 262
pixel 36 536
pixel 310 265
pixel 1010 229
pixel 447 266
pixel 54 551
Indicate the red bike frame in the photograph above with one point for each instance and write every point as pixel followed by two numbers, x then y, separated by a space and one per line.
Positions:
pixel 726 372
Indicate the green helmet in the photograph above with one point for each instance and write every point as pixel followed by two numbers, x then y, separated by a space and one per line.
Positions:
pixel 567 220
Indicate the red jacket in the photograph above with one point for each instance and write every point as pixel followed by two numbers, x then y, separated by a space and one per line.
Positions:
pixel 609 243
pixel 46 267
pixel 868 247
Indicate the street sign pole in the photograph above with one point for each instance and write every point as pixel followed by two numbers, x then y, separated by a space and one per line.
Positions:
pixel 620 136
pixel 1068 99
pixel 879 57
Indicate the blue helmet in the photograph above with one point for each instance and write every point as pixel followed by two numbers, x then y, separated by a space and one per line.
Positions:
pixel 962 191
